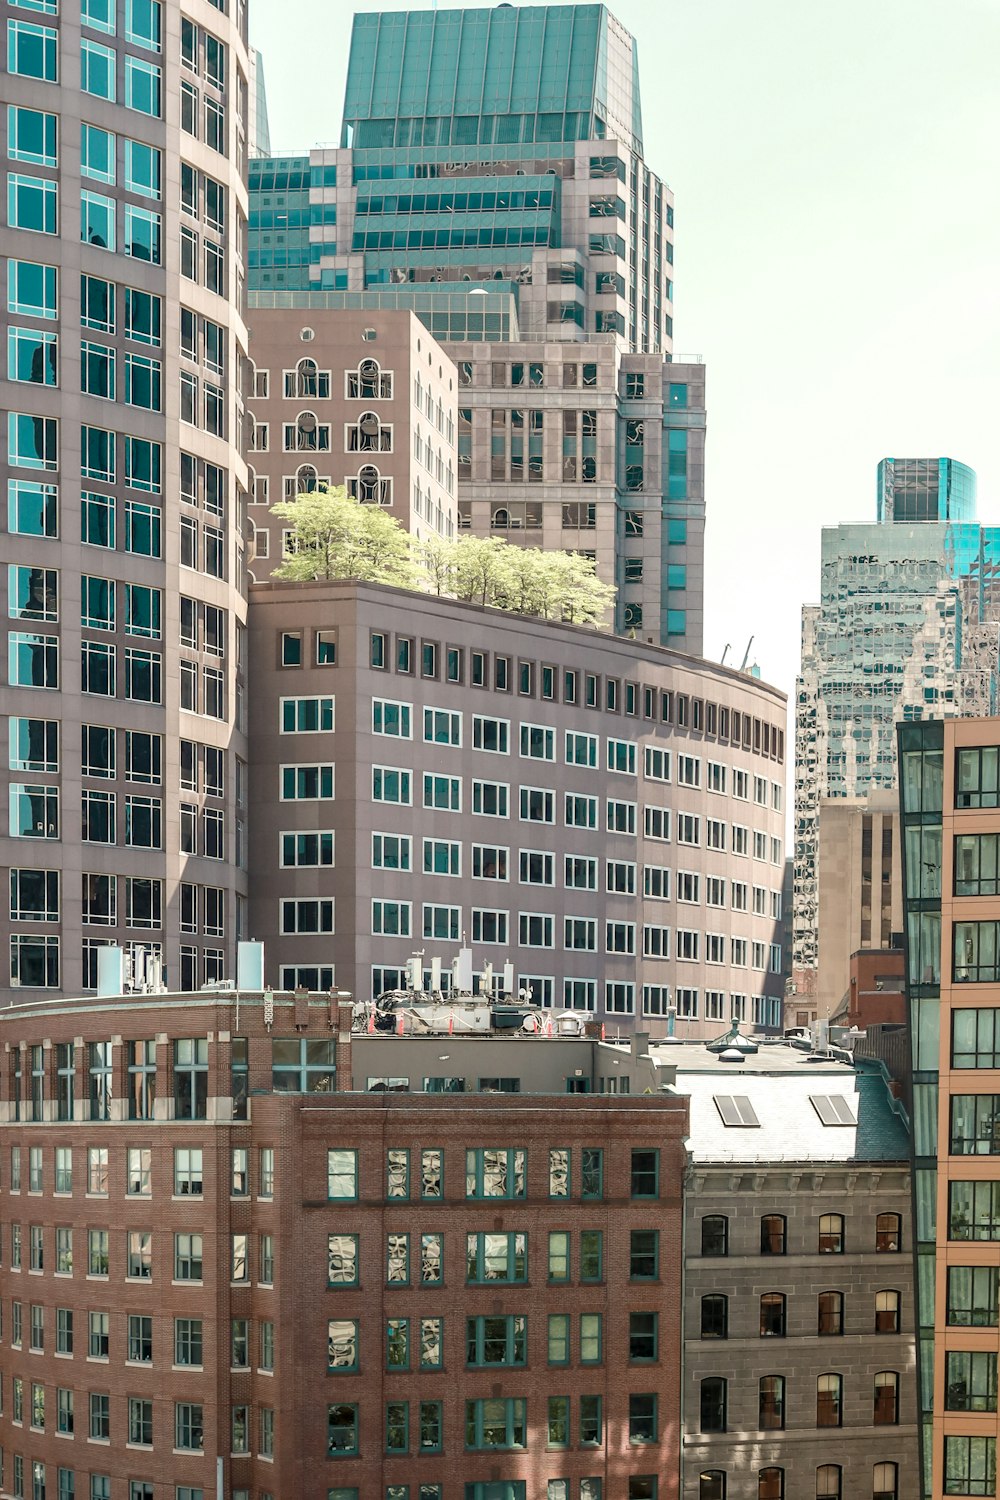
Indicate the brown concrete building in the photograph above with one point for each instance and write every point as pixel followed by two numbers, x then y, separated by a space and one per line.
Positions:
pixel 225 1270
pixel 799 1364
pixel 606 815
pixel 860 888
pixel 123 695
pixel 365 399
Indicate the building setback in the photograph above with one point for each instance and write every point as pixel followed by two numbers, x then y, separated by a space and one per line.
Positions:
pixel 125 486
pixel 221 1261
pixel 605 814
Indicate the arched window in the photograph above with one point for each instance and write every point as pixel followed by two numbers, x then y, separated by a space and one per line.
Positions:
pixel 306 479
pixel 307 377
pixel 885 1482
pixel 715 1316
pixel 886 1413
pixel 369 487
pixel 310 436
pixel 831 1313
pixel 368 435
pixel 828 1482
pixel 713 1404
pixel 829 1400
pixel 771 1484
pixel 715 1235
pixel 772 1315
pixel 500 518
pixel 771 1403
pixel 369 381
pixel 888 1234
pixel 886 1312
pixel 831 1234
pixel 712 1484
pixel 773 1234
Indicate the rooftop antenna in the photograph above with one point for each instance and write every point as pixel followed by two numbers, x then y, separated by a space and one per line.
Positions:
pixel 743 663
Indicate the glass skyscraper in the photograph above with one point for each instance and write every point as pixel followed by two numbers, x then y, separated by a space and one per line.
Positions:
pixel 491 178
pixel 906 629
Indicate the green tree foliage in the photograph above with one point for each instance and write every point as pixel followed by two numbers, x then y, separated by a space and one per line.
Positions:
pixel 334 536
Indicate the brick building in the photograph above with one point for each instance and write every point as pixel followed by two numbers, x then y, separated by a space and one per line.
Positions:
pixel 219 1262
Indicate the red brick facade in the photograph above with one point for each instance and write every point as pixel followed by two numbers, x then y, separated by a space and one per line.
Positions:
pixel 310 1431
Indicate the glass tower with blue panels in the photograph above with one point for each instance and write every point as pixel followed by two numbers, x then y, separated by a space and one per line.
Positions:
pixel 906 630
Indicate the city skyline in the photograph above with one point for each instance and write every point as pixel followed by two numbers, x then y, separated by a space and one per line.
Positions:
pixel 911 129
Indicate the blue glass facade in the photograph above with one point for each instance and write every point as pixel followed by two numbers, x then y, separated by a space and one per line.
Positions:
pixel 905 630
pixel 925 489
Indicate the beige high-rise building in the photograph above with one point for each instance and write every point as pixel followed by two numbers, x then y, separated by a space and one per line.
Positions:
pixel 860 889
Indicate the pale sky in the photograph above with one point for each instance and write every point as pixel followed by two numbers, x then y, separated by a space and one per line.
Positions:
pixel 836 169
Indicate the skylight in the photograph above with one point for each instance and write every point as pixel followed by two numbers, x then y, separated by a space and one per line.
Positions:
pixel 834 1109
pixel 735 1109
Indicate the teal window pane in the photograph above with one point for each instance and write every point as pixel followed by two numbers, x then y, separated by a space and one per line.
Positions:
pixel 143 23
pixel 32 509
pixel 32 442
pixel 676 576
pixel 32 289
pixel 32 51
pixel 32 203
pixel 142 316
pixel 32 356
pixel 100 14
pixel 97 220
pixel 677 533
pixel 31 136
pixel 142 169
pixel 142 86
pixel 677 395
pixel 142 234
pixel 97 69
pixel 676 621
pixel 97 520
pixel 97 153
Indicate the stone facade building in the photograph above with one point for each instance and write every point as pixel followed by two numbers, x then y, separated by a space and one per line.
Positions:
pixel 799 1367
pixel 607 815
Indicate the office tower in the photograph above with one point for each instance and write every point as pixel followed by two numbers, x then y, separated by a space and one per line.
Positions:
pixel 605 815
pixel 491 178
pixel 799 1347
pixel 123 278
pixel 905 628
pixel 949 796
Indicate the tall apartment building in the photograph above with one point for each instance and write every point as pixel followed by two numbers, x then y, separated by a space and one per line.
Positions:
pixel 123 262
pixel 491 178
pixel 950 808
pixel 799 1364
pixel 906 627
pixel 230 1275
pixel 606 815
